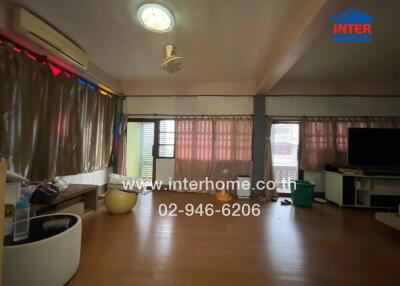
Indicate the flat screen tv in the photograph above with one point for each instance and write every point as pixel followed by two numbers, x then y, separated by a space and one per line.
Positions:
pixel 374 148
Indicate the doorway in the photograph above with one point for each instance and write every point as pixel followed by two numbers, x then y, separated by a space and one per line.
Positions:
pixel 285 150
pixel 150 143
pixel 140 160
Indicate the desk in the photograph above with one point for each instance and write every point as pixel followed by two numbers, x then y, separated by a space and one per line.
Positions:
pixel 84 197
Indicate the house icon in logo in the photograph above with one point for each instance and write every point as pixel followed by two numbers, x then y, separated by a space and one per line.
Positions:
pixel 352 26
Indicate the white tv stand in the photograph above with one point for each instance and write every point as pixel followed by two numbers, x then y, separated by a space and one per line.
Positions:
pixel 362 191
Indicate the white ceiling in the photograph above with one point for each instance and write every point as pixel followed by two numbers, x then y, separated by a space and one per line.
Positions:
pixel 232 47
pixel 337 68
pixel 222 41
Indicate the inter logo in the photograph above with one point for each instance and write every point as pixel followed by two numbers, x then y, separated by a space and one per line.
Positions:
pixel 352 26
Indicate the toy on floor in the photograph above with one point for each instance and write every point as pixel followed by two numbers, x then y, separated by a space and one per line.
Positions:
pixel 119 200
pixel 223 196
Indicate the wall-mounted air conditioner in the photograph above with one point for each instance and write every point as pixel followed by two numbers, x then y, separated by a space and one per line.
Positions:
pixel 49 38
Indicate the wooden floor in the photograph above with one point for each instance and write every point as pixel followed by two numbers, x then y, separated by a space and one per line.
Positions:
pixel 324 245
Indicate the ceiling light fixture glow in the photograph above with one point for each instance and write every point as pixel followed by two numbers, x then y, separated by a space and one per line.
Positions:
pixel 155 18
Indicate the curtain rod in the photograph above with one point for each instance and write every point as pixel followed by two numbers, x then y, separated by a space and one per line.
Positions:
pixel 329 116
pixel 298 117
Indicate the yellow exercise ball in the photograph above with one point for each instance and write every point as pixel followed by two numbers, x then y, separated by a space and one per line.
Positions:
pixel 119 202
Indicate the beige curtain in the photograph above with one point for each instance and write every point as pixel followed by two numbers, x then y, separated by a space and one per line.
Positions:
pixel 268 170
pixel 206 146
pixel 122 146
pixel 51 125
pixel 324 139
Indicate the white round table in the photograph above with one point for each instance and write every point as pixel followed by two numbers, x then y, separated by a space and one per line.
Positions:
pixel 46 258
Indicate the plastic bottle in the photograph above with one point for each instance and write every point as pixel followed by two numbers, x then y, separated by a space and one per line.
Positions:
pixel 21 221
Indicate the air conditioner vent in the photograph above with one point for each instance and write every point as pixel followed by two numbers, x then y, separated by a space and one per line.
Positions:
pixel 49 38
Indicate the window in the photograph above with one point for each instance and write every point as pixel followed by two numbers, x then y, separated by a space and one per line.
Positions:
pixel 285 146
pixel 166 139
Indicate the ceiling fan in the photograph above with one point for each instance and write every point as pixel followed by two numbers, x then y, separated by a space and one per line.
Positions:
pixel 171 63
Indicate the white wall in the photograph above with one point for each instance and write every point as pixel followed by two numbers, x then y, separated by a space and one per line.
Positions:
pixel 278 106
pixel 165 170
pixel 332 106
pixel 318 178
pixel 189 105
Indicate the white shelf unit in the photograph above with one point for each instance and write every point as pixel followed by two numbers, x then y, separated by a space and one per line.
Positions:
pixel 362 188
pixel 362 191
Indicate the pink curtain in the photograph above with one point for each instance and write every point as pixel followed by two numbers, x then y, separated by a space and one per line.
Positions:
pixel 324 140
pixel 207 145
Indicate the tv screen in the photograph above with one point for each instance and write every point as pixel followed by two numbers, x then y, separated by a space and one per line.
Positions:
pixel 374 147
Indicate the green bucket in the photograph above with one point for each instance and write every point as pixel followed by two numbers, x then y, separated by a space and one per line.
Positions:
pixel 303 195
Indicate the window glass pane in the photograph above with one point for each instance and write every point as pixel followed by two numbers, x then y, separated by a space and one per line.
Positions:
pixel 166 139
pixel 166 151
pixel 167 126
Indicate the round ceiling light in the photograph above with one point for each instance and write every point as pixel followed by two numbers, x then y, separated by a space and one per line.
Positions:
pixel 155 18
